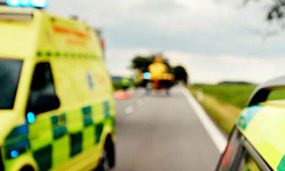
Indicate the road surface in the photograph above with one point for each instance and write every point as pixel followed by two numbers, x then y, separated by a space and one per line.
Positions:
pixel 162 133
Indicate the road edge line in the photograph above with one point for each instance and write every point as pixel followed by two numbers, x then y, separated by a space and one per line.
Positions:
pixel 213 131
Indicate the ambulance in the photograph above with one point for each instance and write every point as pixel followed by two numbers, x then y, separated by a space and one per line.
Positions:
pixel 57 110
pixel 257 140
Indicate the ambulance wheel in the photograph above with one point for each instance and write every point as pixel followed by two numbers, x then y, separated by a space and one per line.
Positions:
pixel 27 168
pixel 107 161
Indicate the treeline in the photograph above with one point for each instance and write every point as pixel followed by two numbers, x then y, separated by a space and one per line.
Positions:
pixel 141 63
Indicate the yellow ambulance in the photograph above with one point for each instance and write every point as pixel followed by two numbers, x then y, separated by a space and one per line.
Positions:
pixel 56 105
pixel 257 142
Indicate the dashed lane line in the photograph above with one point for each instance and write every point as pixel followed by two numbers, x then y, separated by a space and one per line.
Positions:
pixel 129 110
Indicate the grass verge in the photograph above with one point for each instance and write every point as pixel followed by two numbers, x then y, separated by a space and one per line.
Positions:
pixel 222 102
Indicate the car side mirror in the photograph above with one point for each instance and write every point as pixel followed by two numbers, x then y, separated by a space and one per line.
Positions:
pixel 44 103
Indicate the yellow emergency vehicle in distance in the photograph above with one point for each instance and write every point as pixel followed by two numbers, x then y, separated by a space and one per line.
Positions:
pixel 56 105
pixel 257 141
pixel 158 77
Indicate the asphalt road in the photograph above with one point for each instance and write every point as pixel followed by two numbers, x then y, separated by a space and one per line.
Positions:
pixel 162 133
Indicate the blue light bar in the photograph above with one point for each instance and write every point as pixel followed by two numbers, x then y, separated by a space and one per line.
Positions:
pixel 147 75
pixel 28 3
pixel 31 118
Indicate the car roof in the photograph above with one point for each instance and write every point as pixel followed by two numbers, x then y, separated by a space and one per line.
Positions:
pixel 262 92
pixel 263 124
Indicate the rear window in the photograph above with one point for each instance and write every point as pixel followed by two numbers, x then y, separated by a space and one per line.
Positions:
pixel 9 77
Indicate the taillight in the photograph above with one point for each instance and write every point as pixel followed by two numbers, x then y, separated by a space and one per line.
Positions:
pixel 227 156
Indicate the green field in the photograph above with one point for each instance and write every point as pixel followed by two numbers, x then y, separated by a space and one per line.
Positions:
pixel 236 95
pixel 277 95
pixel 223 102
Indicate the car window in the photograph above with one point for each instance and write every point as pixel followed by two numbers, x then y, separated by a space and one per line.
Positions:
pixel 42 82
pixel 278 94
pixel 9 78
pixel 247 163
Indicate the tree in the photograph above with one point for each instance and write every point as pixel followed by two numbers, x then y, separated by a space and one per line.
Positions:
pixel 180 74
pixel 276 10
pixel 141 63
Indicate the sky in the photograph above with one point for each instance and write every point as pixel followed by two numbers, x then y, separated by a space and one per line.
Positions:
pixel 215 40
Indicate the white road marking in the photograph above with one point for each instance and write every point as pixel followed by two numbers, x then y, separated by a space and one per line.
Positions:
pixel 140 102
pixel 213 131
pixel 129 110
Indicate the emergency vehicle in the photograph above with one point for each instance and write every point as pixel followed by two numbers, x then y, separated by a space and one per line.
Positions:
pixel 257 140
pixel 56 105
pixel 158 77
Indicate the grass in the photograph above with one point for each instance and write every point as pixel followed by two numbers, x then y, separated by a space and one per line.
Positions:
pixel 277 95
pixel 223 102
pixel 236 95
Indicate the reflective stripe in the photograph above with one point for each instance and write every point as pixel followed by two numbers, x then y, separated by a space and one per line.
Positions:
pixel 63 143
pixel 75 144
pixel 87 116
pixel 59 126
pixel 281 166
pixel 106 106
pixel 43 158
pixel 98 132
pixel 247 116
pixel 18 132
pixel 65 54
pixel 17 142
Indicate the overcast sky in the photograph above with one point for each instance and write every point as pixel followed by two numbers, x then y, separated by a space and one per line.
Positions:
pixel 214 39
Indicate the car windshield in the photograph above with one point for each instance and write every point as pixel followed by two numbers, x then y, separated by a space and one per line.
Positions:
pixel 9 77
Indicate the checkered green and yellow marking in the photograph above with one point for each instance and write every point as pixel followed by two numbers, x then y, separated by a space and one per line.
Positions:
pixel 263 126
pixel 65 54
pixel 68 134
pixel 247 116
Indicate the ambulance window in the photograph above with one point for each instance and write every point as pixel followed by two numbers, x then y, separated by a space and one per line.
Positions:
pixel 233 150
pixel 42 85
pixel 9 78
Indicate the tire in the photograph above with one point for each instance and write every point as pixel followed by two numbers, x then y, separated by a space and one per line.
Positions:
pixel 27 168
pixel 167 92
pixel 107 161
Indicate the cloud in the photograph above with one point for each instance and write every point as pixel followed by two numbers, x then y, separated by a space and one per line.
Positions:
pixel 204 26
pixel 119 60
pixel 217 39
pixel 229 67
